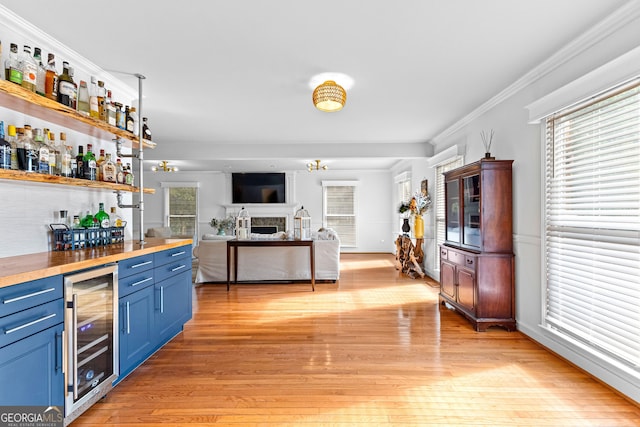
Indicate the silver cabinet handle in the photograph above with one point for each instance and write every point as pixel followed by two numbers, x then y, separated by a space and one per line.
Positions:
pixel 180 267
pixel 26 325
pixel 35 294
pixel 74 345
pixel 161 299
pixel 141 264
pixel 141 281
pixel 128 319
pixel 178 253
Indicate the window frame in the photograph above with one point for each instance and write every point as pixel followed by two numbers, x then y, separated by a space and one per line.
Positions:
pixel 342 236
pixel 167 186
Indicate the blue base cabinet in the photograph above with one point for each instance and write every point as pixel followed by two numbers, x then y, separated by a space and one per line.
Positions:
pixel 31 325
pixel 155 302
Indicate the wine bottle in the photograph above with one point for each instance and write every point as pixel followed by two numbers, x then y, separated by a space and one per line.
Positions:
pixel 102 217
pixel 79 170
pixel 66 87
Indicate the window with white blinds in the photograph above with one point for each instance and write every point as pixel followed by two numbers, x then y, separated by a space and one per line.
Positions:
pixel 592 225
pixel 340 211
pixel 440 201
pixel 181 204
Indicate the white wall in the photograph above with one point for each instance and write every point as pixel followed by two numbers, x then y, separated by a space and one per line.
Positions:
pixel 516 139
pixel 373 195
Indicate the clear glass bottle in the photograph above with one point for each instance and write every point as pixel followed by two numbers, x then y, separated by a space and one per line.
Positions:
pixel 94 110
pixel 5 150
pixel 83 99
pixel 132 121
pixel 54 153
pixel 128 177
pixel 102 217
pixel 116 220
pixel 43 151
pixel 29 69
pixel 42 72
pixel 65 156
pixel 119 172
pixel 102 94
pixel 89 163
pixel 66 87
pixel 27 152
pixel 121 121
pixel 12 138
pixel 110 110
pixel 13 70
pixel 146 132
pixel 51 78
pixel 109 171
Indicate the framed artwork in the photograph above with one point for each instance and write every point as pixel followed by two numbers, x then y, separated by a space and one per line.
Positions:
pixel 424 186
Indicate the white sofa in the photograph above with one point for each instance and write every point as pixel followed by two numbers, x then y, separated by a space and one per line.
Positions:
pixel 282 263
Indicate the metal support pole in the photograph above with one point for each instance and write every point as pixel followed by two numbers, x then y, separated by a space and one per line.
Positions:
pixel 141 157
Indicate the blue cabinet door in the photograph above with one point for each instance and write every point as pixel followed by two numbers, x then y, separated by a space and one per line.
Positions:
pixel 173 305
pixel 137 330
pixel 31 370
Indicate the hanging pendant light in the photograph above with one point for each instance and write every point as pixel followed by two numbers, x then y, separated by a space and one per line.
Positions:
pixel 329 97
pixel 316 166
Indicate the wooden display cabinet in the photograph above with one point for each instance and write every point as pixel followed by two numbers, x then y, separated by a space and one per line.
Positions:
pixel 476 259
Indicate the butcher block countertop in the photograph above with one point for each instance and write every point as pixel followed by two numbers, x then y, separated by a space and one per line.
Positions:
pixel 23 268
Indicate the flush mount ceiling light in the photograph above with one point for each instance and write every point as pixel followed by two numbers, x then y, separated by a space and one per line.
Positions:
pixel 329 97
pixel 316 166
pixel 163 166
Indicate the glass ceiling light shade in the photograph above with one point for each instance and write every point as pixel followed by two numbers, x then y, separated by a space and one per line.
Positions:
pixel 316 166
pixel 329 97
pixel 163 166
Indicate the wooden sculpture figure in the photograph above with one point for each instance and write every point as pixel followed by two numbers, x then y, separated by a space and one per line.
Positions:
pixel 405 258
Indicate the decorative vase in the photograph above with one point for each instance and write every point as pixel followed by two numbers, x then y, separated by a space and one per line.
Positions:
pixel 406 228
pixel 418 227
pixel 221 232
pixel 488 156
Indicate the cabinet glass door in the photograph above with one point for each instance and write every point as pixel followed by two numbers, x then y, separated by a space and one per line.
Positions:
pixel 453 211
pixel 471 218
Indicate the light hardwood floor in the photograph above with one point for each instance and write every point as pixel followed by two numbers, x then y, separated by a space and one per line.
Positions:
pixel 373 349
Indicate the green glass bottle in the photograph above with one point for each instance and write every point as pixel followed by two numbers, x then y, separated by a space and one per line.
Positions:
pixel 89 164
pixel 87 220
pixel 102 217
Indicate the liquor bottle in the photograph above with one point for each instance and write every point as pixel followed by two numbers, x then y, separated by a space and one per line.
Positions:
pixel 102 93
pixel 83 99
pixel 51 78
pixel 66 87
pixel 42 72
pixel 94 110
pixel 43 151
pixel 13 70
pixel 65 157
pixel 29 69
pixel 119 172
pixel 128 175
pixel 89 164
pixel 132 121
pixel 54 153
pixel 79 170
pixel 74 100
pixel 116 220
pixel 5 150
pixel 27 153
pixel 87 220
pixel 121 121
pixel 11 132
pixel 99 162
pixel 102 217
pixel 146 132
pixel 110 110
pixel 109 172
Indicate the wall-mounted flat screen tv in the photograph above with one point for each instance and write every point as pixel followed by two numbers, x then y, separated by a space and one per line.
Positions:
pixel 258 187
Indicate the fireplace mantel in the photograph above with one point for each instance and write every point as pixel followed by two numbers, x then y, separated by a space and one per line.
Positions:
pixel 286 210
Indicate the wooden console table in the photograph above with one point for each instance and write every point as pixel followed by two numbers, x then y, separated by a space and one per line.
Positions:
pixel 267 243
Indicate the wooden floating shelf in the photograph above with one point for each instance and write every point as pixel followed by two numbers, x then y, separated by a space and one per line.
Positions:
pixel 74 182
pixel 19 99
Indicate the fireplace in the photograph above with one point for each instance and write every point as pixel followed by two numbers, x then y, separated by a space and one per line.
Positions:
pixel 268 224
pixel 279 215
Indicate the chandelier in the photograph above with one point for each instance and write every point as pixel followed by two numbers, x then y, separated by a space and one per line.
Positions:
pixel 329 97
pixel 316 166
pixel 163 166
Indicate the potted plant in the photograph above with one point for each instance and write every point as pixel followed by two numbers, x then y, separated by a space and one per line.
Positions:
pixel 223 224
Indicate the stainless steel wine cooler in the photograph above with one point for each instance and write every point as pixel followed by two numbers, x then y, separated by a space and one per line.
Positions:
pixel 91 329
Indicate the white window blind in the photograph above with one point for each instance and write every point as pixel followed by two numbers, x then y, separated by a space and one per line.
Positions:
pixel 440 202
pixel 340 212
pixel 183 210
pixel 592 225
